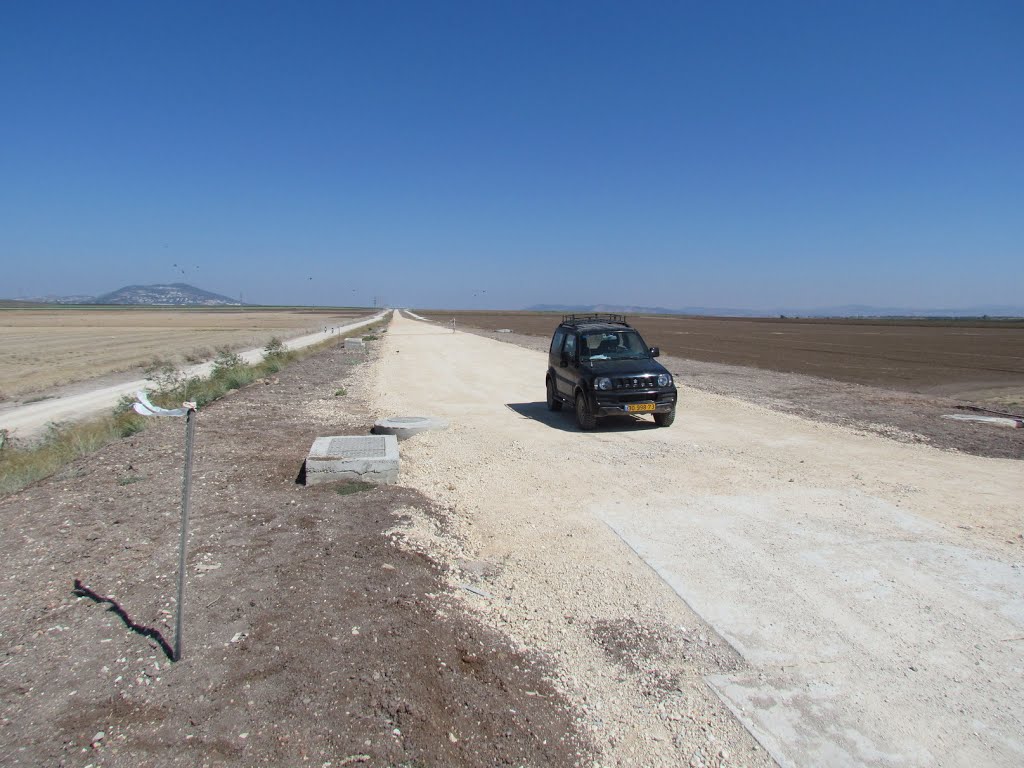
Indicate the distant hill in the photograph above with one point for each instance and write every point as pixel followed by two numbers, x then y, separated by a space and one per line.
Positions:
pixel 167 295
pixel 849 310
pixel 173 294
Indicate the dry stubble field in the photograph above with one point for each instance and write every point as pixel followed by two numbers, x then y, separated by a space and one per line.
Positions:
pixel 979 360
pixel 41 349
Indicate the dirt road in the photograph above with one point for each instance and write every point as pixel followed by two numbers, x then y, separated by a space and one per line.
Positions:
pixel 869 591
pixel 27 420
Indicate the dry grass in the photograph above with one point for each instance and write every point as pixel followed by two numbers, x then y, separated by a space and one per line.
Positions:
pixel 44 348
pixel 23 464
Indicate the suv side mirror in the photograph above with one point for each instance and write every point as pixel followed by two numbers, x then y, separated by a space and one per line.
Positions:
pixel 655 351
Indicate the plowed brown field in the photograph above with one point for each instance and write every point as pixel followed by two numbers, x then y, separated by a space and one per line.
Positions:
pixel 977 359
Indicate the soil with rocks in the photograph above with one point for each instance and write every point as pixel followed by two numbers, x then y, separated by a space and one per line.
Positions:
pixel 311 634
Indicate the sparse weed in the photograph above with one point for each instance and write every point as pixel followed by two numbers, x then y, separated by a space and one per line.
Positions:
pixel 198 355
pixel 275 348
pixel 24 464
pixel 227 359
pixel 349 487
pixel 340 392
pixel 165 375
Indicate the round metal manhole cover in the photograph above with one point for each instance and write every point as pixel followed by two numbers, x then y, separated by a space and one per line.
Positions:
pixel 407 426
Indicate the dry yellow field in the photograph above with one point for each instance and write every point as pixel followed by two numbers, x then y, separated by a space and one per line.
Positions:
pixel 41 349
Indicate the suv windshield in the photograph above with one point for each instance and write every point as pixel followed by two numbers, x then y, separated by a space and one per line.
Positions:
pixel 613 345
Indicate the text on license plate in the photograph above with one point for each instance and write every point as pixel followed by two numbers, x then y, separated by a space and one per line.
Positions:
pixel 639 407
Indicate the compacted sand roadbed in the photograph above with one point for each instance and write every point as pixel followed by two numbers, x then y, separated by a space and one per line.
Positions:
pixel 858 600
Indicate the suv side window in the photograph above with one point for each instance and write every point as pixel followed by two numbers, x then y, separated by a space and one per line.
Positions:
pixel 570 347
pixel 556 342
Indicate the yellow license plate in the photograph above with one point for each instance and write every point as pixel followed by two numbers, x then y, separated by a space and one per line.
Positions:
pixel 639 407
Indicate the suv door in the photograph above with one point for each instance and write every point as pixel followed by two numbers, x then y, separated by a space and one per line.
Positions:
pixel 565 376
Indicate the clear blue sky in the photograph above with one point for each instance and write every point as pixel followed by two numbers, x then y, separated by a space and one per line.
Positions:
pixel 683 153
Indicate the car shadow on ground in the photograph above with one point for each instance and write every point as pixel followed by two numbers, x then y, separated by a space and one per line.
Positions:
pixel 565 419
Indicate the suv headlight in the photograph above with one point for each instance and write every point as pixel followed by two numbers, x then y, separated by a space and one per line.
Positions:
pixel 664 380
pixel 602 382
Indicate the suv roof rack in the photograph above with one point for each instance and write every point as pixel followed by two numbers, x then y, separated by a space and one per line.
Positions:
pixel 594 317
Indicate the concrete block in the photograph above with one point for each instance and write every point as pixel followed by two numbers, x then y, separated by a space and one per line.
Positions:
pixel 404 427
pixel 356 345
pixel 370 459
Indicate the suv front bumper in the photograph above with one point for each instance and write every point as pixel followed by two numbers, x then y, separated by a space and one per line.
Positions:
pixel 613 403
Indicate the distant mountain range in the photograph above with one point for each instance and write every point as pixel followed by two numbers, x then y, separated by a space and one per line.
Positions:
pixel 847 310
pixel 171 294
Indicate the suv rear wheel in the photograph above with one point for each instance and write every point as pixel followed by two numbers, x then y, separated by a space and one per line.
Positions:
pixel 584 417
pixel 554 404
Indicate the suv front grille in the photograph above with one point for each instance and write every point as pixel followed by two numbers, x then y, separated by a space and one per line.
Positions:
pixel 634 382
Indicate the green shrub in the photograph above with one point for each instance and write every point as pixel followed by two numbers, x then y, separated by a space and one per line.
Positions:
pixel 165 375
pixel 275 348
pixel 226 360
pixel 236 378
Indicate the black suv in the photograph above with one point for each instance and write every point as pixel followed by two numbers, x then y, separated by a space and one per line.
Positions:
pixel 600 365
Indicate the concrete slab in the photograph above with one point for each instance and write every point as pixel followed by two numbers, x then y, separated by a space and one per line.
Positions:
pixel 404 427
pixel 877 642
pixel 370 459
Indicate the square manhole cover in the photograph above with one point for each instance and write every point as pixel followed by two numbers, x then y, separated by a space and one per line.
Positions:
pixel 354 447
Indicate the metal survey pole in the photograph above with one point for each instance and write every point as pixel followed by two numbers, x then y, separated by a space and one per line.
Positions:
pixel 186 493
pixel 145 408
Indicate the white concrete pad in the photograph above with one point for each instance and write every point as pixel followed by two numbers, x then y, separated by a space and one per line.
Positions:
pixel 370 458
pixel 874 639
pixel 404 427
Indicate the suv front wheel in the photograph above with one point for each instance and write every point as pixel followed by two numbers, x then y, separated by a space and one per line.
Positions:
pixel 665 419
pixel 584 416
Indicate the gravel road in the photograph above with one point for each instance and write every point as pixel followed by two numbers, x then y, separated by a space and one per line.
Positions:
pixel 846 599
